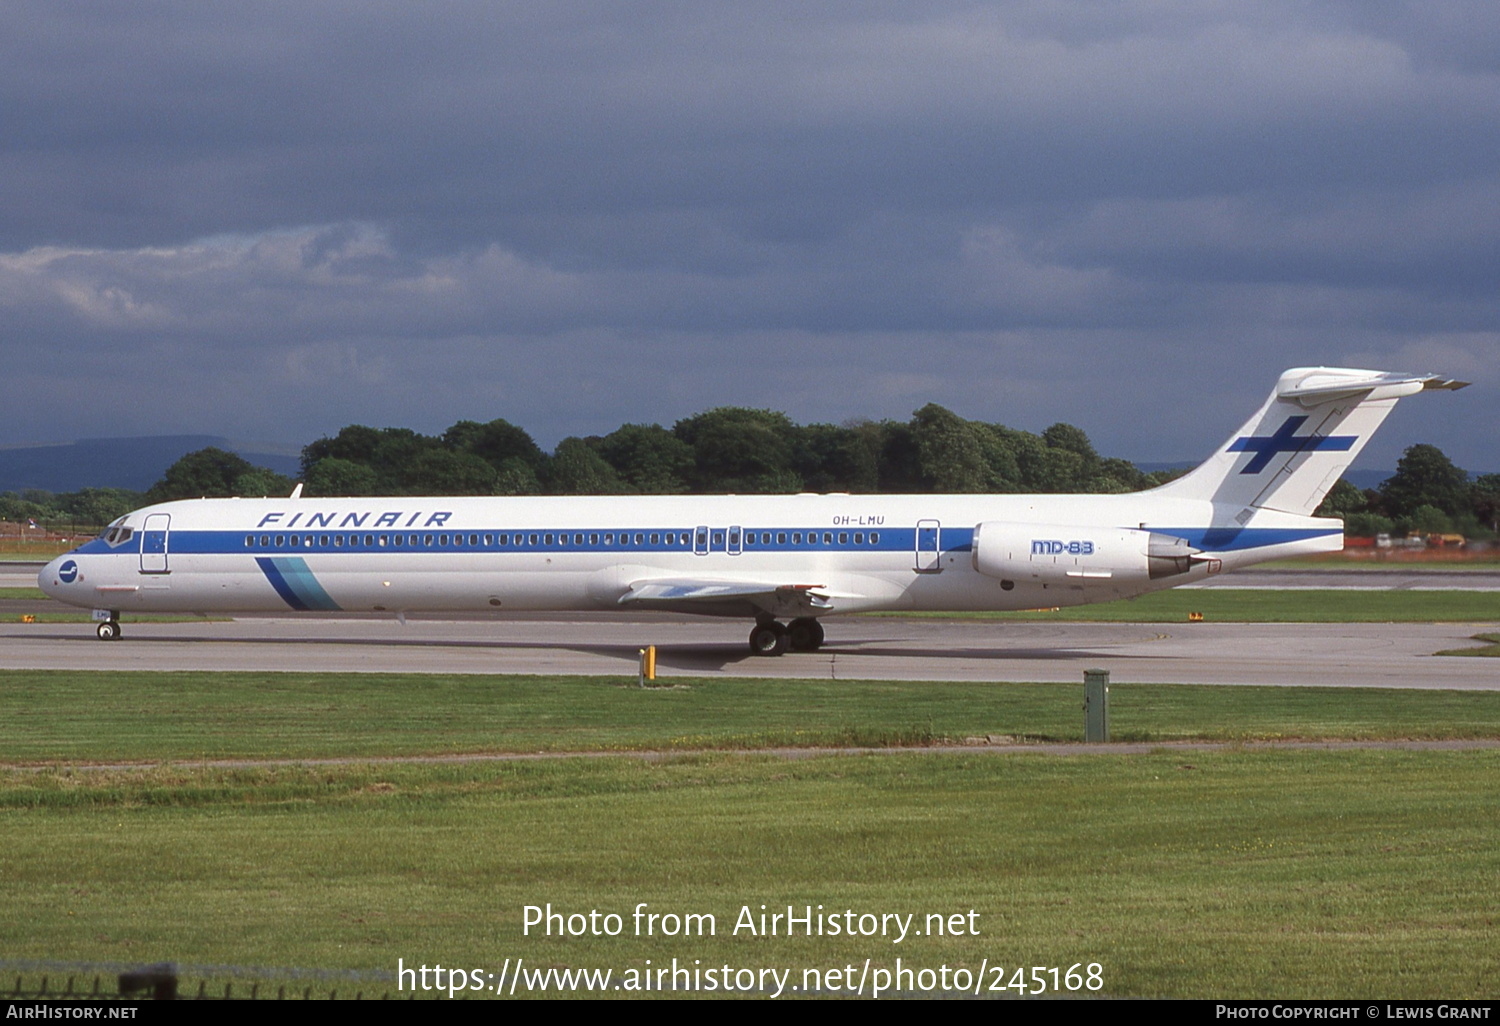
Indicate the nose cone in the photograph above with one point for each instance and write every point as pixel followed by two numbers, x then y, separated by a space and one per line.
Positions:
pixel 59 578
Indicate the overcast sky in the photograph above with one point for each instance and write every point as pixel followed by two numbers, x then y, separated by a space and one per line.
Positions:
pixel 269 220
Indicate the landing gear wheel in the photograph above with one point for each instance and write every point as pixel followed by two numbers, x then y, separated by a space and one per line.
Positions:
pixel 768 639
pixel 805 634
pixel 109 630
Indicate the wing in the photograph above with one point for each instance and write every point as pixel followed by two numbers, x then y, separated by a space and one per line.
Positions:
pixel 729 598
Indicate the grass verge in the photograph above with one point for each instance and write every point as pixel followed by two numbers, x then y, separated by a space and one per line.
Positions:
pixel 1244 605
pixel 1492 649
pixel 1237 874
pixel 60 715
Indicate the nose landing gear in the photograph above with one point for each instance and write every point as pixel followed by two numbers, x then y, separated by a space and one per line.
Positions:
pixel 109 624
pixel 769 638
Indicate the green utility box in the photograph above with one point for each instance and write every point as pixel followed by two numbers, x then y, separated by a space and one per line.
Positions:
pixel 1096 705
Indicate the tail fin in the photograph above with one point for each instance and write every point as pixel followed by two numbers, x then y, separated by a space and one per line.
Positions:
pixel 1293 450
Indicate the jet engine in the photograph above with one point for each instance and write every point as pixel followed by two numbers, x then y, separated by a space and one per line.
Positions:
pixel 1056 553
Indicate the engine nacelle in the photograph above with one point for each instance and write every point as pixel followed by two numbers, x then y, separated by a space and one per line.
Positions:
pixel 1053 553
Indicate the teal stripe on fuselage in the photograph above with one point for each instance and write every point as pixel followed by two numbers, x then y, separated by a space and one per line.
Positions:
pixel 295 583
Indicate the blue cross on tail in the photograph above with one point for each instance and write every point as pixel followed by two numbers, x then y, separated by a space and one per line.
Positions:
pixel 1267 446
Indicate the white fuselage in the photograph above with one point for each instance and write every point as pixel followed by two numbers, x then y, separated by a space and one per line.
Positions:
pixel 814 554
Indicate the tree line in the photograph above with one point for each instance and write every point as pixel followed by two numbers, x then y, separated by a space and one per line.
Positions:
pixel 747 451
pixel 1426 495
pixel 724 450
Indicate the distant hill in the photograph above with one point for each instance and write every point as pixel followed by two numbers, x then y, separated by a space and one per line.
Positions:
pixel 134 463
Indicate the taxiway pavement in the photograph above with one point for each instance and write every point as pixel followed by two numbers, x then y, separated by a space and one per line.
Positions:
pixel 871 648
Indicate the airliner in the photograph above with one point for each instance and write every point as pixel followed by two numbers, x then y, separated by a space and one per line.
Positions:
pixel 781 561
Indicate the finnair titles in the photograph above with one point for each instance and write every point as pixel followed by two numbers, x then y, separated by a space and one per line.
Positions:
pixel 782 561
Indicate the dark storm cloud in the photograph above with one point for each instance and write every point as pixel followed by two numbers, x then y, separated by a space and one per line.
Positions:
pixel 276 219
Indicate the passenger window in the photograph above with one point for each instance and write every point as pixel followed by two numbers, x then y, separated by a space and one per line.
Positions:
pixel 280 540
pixel 296 540
pixel 593 539
pixel 796 537
pixel 546 539
pixel 532 540
pixel 874 538
pixel 427 540
pixel 780 537
pixel 684 537
pixel 384 541
pixel 843 538
pixel 609 539
pixel 718 538
pixel 656 539
pixel 338 541
pixel 859 538
pixel 578 539
pixel 397 540
pixel 323 541
pixel 369 539
pixel 640 539
pixel 249 540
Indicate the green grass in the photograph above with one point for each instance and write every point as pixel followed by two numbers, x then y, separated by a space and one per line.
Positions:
pixel 1491 650
pixel 47 610
pixel 1451 560
pixel 125 716
pixel 1226 605
pixel 24 551
pixel 1242 605
pixel 1237 874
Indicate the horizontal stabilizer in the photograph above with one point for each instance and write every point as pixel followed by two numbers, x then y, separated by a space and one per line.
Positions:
pixel 1328 384
pixel 1289 454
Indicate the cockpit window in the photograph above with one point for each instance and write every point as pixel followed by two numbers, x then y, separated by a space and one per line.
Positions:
pixel 116 534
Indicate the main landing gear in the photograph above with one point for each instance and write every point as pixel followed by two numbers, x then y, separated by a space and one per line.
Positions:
pixel 769 638
pixel 109 630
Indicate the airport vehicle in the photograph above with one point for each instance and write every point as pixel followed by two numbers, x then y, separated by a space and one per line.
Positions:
pixel 783 561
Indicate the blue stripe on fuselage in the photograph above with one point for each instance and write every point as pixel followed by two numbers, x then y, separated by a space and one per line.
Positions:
pixel 1240 539
pixel 294 569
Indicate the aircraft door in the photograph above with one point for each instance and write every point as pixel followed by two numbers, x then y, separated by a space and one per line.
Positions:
pixel 700 541
pixel 929 547
pixel 734 541
pixel 154 543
